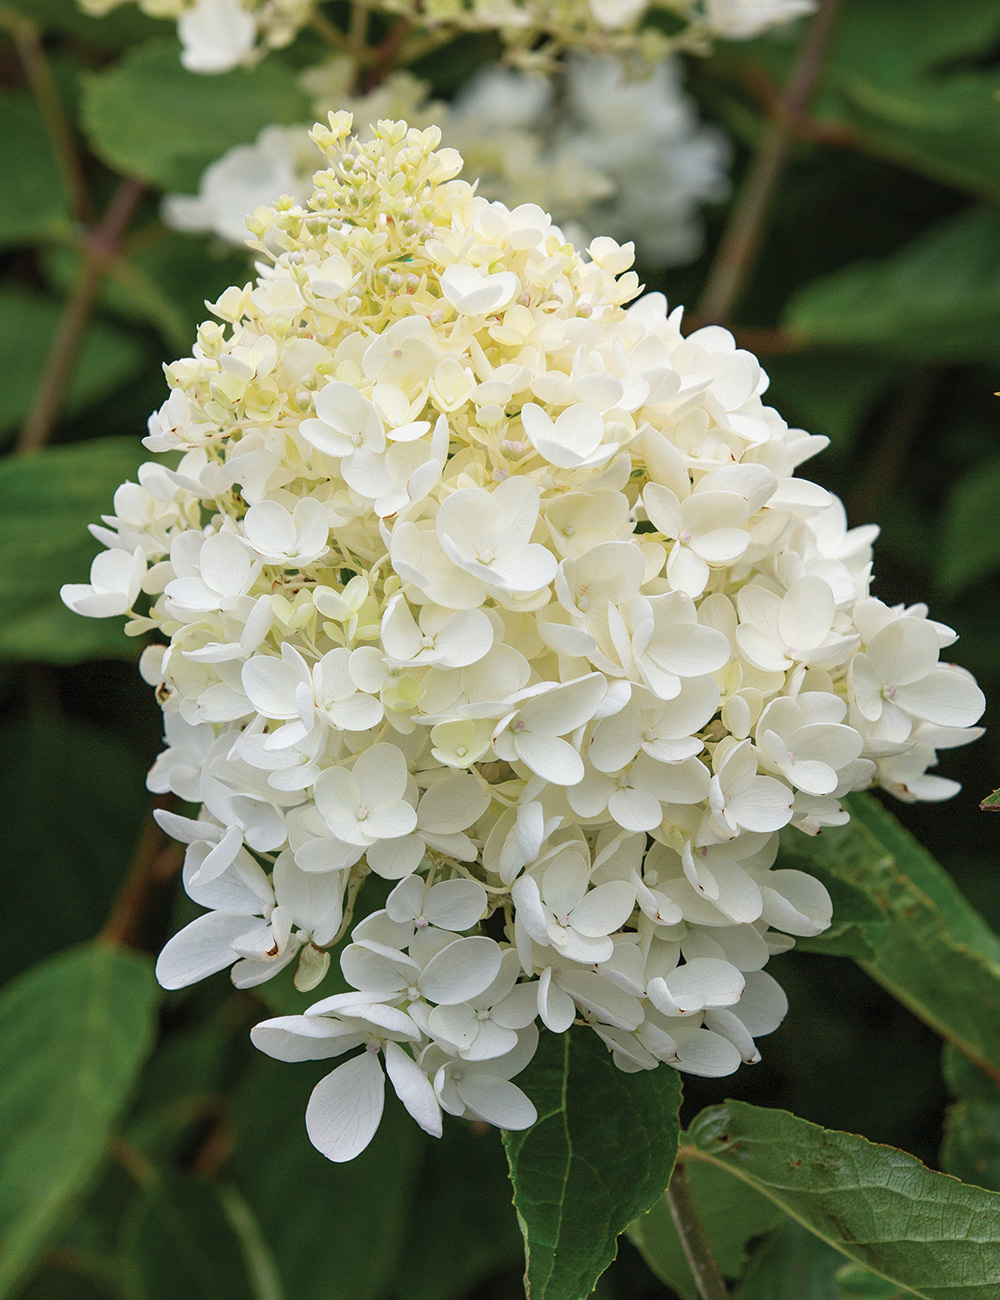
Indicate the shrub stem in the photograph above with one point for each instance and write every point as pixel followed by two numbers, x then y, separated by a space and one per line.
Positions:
pixel 741 239
pixel 691 1231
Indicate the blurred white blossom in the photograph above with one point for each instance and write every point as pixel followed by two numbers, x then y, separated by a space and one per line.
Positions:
pixel 220 34
pixel 596 146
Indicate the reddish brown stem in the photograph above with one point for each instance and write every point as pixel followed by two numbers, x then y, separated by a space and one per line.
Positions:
pixel 384 54
pixel 100 248
pixel 154 862
pixel 28 39
pixel 742 237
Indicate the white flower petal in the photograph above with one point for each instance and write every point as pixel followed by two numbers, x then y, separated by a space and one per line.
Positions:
pixel 460 971
pixel 345 1108
pixel 413 1089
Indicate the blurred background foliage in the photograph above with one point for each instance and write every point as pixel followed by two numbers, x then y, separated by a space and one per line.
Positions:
pixel 874 303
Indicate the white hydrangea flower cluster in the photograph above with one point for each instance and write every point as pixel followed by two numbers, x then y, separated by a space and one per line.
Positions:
pixel 472 578
pixel 574 146
pixel 217 35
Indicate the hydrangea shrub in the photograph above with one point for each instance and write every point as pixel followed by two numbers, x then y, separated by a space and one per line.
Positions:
pixel 475 574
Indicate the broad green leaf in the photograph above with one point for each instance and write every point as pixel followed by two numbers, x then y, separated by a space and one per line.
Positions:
pixel 936 298
pixel 148 117
pixel 970 543
pixel 179 1240
pixel 922 1230
pixel 992 802
pixel 936 954
pixel 971 1147
pixel 791 1264
pixel 887 79
pixel 335 1231
pixel 461 1224
pixel 946 128
pixel 48 501
pixel 890 79
pixel 598 1156
pixel 108 358
pixel 732 1215
pixel 33 202
pixel 859 1284
pixel 74 1031
pixel 123 26
pixel 77 864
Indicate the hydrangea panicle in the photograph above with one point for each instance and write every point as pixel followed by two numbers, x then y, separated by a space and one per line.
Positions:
pixel 217 35
pixel 476 578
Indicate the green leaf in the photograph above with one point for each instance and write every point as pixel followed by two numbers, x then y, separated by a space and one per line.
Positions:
pixel 936 954
pixel 948 129
pixel 74 1031
pixel 179 1240
pixel 461 1226
pixel 148 117
pixel 109 357
pixel 897 39
pixel 922 1230
pixel 598 1156
pixel 792 1264
pixel 969 549
pixel 732 1216
pixel 49 499
pixel 971 1147
pixel 892 78
pixel 78 863
pixel 936 298
pixel 992 802
pixel 123 26
pixel 33 202
pixel 859 1284
pixel 335 1231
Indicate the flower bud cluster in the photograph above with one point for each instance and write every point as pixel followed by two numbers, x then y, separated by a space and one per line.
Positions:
pixel 217 35
pixel 473 578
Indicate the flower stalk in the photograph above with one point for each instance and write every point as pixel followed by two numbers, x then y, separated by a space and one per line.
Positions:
pixel 691 1230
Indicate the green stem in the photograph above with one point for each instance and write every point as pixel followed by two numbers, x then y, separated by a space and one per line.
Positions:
pixel 741 239
pixel 691 1230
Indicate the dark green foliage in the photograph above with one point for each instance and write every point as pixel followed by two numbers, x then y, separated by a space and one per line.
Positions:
pixel 74 1032
pixel 598 1156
